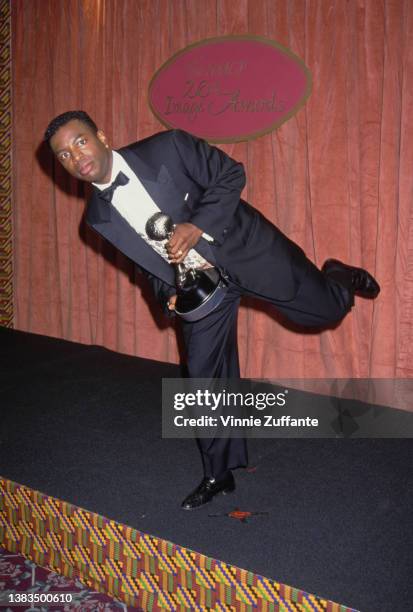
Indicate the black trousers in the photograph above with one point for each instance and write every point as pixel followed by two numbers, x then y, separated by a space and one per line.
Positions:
pixel 212 348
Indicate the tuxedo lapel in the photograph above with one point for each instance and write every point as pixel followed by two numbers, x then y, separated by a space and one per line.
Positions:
pixel 97 210
pixel 160 186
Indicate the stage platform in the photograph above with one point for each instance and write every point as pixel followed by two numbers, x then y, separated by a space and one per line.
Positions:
pixel 89 486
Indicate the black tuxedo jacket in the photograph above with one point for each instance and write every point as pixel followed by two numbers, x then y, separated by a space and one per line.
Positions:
pixel 194 182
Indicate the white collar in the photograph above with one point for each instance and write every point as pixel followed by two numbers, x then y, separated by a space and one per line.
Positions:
pixel 118 165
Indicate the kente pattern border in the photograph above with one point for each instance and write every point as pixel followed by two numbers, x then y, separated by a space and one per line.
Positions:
pixel 132 566
pixel 6 238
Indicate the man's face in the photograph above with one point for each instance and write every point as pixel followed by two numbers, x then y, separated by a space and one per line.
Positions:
pixel 83 152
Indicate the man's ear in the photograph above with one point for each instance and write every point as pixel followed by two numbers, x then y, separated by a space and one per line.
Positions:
pixel 102 137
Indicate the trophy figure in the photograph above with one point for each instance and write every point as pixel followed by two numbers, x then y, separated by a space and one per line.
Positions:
pixel 198 292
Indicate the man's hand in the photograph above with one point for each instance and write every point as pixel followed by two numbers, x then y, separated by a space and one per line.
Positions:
pixel 185 236
pixel 172 302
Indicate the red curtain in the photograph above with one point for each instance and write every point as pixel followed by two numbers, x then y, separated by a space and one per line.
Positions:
pixel 337 177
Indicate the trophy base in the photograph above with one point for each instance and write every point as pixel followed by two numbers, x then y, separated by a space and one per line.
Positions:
pixel 203 297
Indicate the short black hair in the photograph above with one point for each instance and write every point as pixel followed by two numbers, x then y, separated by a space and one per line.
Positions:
pixel 64 118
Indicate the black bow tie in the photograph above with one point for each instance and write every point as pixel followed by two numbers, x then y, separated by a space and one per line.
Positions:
pixel 107 193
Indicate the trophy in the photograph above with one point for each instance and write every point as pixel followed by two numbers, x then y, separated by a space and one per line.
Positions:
pixel 199 292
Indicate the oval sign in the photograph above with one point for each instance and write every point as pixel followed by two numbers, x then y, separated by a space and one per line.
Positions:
pixel 230 88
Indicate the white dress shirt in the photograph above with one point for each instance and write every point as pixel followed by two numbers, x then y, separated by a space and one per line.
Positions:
pixel 136 206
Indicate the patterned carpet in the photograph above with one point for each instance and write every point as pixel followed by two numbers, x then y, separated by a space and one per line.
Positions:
pixel 26 586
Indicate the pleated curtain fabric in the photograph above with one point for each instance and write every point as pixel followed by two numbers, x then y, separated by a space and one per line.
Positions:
pixel 337 177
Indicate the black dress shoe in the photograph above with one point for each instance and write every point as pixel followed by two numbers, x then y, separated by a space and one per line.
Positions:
pixel 358 280
pixel 207 489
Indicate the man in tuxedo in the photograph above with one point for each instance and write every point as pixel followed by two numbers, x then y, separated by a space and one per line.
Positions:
pixel 199 187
